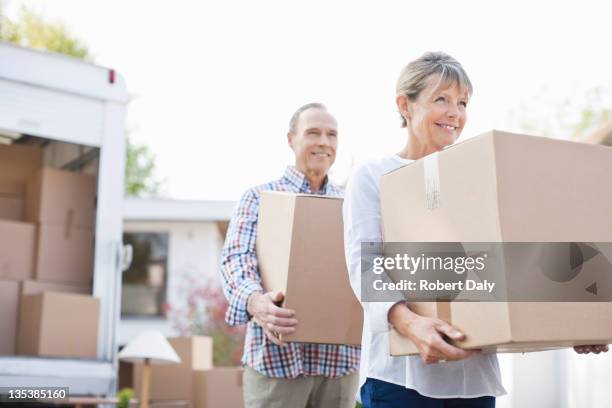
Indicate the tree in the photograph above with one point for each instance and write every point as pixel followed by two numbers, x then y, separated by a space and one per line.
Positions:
pixel 574 118
pixel 140 171
pixel 592 116
pixel 31 30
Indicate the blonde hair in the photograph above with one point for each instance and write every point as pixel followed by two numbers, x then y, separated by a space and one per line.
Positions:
pixel 416 76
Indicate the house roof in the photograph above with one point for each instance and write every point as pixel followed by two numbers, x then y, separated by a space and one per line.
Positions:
pixel 155 209
pixel 602 135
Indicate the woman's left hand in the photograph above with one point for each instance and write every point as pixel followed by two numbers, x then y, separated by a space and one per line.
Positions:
pixel 596 349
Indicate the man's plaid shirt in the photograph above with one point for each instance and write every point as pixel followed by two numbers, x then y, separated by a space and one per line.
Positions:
pixel 241 278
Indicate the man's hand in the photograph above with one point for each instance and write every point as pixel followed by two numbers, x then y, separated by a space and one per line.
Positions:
pixel 427 334
pixel 273 319
pixel 596 349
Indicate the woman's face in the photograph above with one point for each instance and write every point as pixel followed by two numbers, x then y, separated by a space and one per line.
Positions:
pixel 438 115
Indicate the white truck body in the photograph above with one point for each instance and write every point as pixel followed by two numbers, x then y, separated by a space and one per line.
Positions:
pixel 62 99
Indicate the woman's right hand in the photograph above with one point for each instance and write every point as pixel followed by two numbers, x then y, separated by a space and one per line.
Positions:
pixel 427 334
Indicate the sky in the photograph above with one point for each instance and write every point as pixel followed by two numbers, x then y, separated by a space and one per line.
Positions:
pixel 214 83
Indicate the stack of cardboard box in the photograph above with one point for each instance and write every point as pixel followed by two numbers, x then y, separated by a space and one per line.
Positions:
pixel 62 206
pixel 195 379
pixel 46 245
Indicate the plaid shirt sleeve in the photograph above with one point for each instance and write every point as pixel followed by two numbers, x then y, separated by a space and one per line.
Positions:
pixel 239 268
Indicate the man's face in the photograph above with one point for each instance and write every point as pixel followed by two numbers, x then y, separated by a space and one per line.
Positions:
pixel 314 141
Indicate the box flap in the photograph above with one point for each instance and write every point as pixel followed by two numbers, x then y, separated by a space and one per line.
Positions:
pixel 273 245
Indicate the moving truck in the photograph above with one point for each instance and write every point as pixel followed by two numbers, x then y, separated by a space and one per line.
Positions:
pixel 74 113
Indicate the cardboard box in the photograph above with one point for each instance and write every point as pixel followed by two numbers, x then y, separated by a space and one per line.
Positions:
pixel 11 208
pixel 58 325
pixel 9 303
pixel 58 197
pixel 126 375
pixel 17 247
pixel 176 381
pixel 503 187
pixel 518 327
pixel 11 200
pixel 64 255
pixel 19 162
pixel 219 387
pixel 300 249
pixel 31 287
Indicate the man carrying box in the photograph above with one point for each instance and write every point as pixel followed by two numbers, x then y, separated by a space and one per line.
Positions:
pixel 279 374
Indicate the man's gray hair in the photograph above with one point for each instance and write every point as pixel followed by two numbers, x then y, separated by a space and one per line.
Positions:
pixel 415 76
pixel 296 116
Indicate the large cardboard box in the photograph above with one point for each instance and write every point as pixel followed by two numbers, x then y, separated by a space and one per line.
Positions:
pixel 58 197
pixel 19 162
pixel 219 387
pixel 11 200
pixel 176 381
pixel 32 287
pixel 517 327
pixel 300 249
pixel 64 254
pixel 17 246
pixel 9 304
pixel 503 187
pixel 58 325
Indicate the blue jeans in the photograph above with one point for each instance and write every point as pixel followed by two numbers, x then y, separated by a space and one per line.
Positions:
pixel 381 394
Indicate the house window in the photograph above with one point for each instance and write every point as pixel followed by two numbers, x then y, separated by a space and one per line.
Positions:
pixel 144 283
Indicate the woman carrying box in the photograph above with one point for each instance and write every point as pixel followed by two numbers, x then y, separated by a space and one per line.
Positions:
pixel 433 93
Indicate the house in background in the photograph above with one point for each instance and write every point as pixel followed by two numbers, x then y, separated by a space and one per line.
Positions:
pixel 174 242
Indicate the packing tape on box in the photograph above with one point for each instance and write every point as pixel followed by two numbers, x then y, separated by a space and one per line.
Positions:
pixel 432 181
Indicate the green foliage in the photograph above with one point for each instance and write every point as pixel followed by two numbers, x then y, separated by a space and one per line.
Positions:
pixel 227 349
pixel 140 178
pixel 124 396
pixel 31 30
pixel 574 118
pixel 590 119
